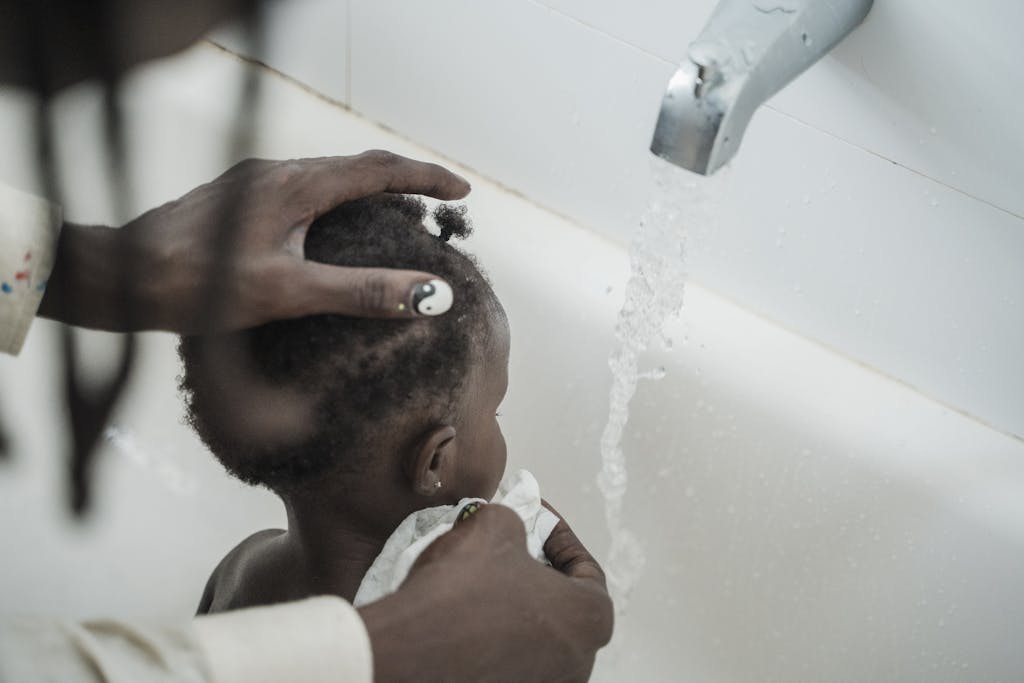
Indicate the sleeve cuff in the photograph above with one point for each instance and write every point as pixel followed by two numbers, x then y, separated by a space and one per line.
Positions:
pixel 321 639
pixel 29 227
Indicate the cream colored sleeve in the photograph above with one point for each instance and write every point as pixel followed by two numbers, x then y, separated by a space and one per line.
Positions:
pixel 28 242
pixel 316 640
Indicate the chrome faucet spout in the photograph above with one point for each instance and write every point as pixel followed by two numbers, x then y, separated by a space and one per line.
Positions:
pixel 747 52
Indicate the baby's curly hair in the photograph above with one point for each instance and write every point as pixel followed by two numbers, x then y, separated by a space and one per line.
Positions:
pixel 366 376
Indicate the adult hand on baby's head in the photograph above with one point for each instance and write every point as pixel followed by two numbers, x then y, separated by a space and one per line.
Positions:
pixel 256 214
pixel 477 607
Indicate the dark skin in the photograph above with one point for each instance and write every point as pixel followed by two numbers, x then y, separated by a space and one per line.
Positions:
pixel 454 619
pixel 551 626
pixel 170 255
pixel 262 570
pixel 337 527
pixel 335 533
pixel 172 250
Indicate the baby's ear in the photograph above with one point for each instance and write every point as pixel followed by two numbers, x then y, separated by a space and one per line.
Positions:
pixel 432 461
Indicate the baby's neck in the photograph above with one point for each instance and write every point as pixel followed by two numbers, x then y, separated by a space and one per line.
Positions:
pixel 331 553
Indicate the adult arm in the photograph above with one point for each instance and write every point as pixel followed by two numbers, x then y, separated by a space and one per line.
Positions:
pixel 475 607
pixel 29 228
pixel 171 252
pixel 319 640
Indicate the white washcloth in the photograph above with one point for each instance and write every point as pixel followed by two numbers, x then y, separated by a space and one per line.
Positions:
pixel 518 490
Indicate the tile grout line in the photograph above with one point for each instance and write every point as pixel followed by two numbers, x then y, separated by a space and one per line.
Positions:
pixel 864 365
pixel 347 107
pixel 644 51
pixel 921 174
pixel 595 29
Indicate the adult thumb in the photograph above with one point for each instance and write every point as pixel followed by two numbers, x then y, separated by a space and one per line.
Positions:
pixel 372 292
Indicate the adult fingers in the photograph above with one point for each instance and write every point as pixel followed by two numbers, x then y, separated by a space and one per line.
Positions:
pixel 484 534
pixel 366 292
pixel 333 180
pixel 594 607
pixel 568 555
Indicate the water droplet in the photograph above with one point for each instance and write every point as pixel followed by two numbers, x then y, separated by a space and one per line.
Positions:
pixel 749 53
pixel 655 374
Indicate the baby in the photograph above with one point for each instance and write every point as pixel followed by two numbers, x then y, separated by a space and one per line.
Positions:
pixel 404 433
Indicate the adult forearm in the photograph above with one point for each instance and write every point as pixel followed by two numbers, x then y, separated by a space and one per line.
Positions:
pixel 86 287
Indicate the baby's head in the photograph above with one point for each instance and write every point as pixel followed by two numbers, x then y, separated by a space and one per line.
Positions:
pixel 408 406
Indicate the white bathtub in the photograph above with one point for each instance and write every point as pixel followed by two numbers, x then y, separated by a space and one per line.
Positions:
pixel 804 518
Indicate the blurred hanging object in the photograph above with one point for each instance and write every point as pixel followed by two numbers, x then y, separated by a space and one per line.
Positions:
pixel 5 443
pixel 250 407
pixel 90 407
pixel 146 30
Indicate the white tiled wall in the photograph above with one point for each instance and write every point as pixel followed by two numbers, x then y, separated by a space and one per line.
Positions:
pixel 305 39
pixel 875 204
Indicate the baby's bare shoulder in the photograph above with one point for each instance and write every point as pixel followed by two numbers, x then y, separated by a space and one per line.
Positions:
pixel 228 583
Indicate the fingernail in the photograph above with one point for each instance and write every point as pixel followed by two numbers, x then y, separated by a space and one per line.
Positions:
pixel 433 297
pixel 468 511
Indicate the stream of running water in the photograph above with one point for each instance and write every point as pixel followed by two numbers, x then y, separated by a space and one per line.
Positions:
pixel 654 293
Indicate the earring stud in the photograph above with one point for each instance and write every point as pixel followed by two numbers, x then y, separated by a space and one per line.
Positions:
pixel 437 484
